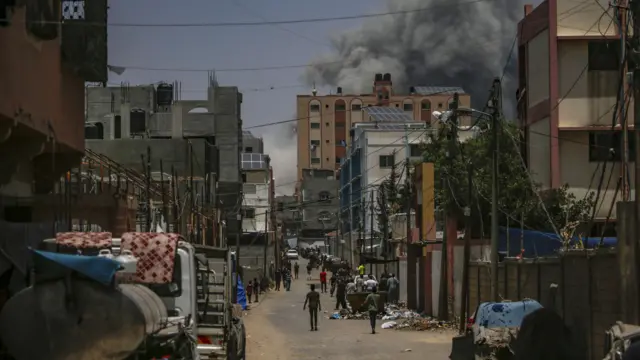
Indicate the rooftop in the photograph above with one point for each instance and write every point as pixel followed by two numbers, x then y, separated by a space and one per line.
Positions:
pixel 438 90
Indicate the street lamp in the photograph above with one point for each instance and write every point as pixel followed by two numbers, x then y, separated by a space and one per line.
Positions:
pixel 446 118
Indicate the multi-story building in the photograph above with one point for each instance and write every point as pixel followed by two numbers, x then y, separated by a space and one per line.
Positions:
pixel 43 70
pixel 324 121
pixel 319 205
pixel 287 217
pixel 199 138
pixel 569 80
pixel 376 150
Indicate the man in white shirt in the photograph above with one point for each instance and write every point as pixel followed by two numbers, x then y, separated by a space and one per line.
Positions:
pixel 370 283
pixel 359 283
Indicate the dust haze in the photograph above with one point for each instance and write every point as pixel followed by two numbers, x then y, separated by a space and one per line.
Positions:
pixel 281 145
pixel 452 43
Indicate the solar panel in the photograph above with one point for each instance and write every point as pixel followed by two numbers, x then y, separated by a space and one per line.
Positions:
pixel 253 161
pixel 383 113
pixel 438 90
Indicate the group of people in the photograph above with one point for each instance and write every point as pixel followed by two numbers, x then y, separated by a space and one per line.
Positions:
pixel 284 276
pixel 253 288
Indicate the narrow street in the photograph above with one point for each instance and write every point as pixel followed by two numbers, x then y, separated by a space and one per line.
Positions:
pixel 278 329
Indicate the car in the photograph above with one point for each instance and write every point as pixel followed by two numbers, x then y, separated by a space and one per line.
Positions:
pixel 292 254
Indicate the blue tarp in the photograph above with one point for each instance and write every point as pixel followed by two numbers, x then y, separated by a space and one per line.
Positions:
pixel 242 295
pixel 98 268
pixel 505 314
pixel 538 243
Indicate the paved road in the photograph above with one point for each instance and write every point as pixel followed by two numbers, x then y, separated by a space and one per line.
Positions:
pixel 278 329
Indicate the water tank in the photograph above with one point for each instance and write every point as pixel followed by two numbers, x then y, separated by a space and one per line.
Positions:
pixel 339 90
pixel 378 77
pixel 386 77
pixel 412 90
pixel 164 95
pixel 137 121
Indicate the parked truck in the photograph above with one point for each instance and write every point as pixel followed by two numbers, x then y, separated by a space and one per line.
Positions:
pixel 85 302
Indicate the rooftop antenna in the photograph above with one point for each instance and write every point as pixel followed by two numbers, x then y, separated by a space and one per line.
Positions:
pixel 314 91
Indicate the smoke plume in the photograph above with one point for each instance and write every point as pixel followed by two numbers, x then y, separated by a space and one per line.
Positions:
pixel 462 43
pixel 280 143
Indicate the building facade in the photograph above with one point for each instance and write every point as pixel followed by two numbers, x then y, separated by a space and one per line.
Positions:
pixel 569 80
pixel 319 205
pixel 199 138
pixel 43 69
pixel 324 121
pixel 377 150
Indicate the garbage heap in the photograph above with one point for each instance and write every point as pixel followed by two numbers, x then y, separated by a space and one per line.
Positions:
pixel 403 319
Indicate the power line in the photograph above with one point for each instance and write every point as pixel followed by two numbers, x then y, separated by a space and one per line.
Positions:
pixel 270 23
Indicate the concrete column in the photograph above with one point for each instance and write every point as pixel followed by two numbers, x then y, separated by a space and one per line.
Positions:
pixel 125 120
pixel 176 121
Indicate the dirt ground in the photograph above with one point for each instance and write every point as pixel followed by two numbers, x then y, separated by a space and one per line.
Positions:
pixel 278 329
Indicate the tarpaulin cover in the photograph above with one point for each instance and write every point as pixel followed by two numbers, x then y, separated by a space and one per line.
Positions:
pixel 98 268
pixel 504 314
pixel 242 295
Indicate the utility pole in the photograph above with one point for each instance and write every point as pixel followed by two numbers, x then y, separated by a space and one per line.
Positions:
pixel 267 181
pixel 191 194
pixel 176 201
pixel 407 190
pixel 385 223
pixel 635 14
pixel 371 236
pixel 464 303
pixel 495 123
pixel 361 225
pixel 165 209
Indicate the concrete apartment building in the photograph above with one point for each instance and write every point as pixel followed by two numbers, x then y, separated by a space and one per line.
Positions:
pixel 256 178
pixel 376 148
pixel 319 205
pixel 287 216
pixel 568 83
pixel 43 70
pixel 199 137
pixel 324 121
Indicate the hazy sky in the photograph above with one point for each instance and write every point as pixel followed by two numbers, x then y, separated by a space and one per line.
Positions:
pixel 224 48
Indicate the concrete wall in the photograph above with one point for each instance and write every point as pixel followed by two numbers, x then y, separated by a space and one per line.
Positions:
pixel 588 297
pixel 173 152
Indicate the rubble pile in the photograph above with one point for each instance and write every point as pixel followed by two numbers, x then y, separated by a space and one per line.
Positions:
pixel 402 319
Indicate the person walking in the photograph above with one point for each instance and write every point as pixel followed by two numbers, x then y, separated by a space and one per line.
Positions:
pixel 323 280
pixel 309 271
pixel 392 289
pixel 371 302
pixel 341 294
pixel 287 279
pixel 296 269
pixel 278 279
pixel 248 289
pixel 313 299
pixel 256 288
pixel 361 270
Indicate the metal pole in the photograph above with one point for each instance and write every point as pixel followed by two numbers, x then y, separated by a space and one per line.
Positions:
pixel 408 204
pixel 467 254
pixel 494 189
pixel 238 231
pixel 371 236
pixel 266 216
pixel 191 194
pixel 635 13
pixel 148 189
pixel 165 210
pixel 361 225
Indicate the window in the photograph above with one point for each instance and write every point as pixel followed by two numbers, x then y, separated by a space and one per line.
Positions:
pixel 324 216
pixel 249 189
pixel 341 107
pixel 426 105
pixel 415 150
pixel 248 149
pixel 315 125
pixel 407 107
pixel 337 160
pixel 315 160
pixel 248 213
pixel 324 196
pixel 315 142
pixel 356 107
pixel 244 177
pixel 606 145
pixel 280 206
pixel 604 55
pixel 387 161
pixel 439 105
pixel 314 108
pixel 117 127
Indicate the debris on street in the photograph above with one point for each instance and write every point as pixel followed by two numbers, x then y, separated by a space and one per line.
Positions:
pixel 396 316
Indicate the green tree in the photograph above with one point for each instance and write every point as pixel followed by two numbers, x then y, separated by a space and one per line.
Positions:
pixel 518 197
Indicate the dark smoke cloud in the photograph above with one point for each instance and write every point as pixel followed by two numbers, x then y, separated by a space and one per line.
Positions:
pixel 453 43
